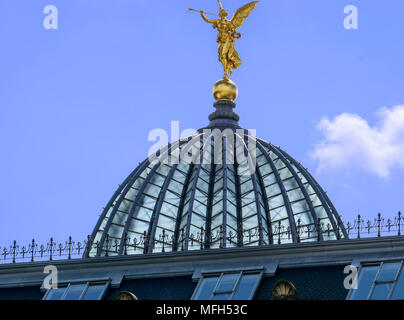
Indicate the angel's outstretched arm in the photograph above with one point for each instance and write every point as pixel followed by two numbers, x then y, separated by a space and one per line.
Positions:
pixel 206 19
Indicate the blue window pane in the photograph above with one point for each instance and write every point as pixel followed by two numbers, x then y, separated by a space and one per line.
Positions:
pixel 222 296
pixel 381 291
pixel 246 287
pixel 389 271
pixel 55 294
pixel 206 288
pixel 365 281
pixel 94 292
pixel 227 282
pixel 74 291
pixel 399 289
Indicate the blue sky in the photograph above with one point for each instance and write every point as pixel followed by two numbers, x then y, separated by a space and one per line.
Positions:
pixel 77 103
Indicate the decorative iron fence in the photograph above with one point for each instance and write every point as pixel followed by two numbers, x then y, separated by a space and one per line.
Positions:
pixel 279 235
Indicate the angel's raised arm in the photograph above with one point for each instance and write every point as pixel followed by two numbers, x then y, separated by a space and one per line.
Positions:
pixel 207 19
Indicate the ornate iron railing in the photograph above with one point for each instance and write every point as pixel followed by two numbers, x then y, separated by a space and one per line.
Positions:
pixel 280 234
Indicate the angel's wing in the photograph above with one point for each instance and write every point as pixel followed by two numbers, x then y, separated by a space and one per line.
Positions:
pixel 241 14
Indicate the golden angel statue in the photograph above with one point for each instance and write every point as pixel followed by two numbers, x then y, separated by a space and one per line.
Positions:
pixel 228 55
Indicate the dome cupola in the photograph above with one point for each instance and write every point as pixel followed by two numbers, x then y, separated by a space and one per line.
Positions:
pixel 220 188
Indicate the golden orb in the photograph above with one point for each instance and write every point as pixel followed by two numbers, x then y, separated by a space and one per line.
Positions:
pixel 225 90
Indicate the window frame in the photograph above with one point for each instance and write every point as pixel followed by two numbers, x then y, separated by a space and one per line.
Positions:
pixel 87 285
pixel 375 282
pixel 219 275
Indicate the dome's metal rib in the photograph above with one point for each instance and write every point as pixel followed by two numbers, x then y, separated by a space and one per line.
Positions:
pixel 164 153
pixel 127 181
pixel 191 205
pixel 238 200
pixel 209 205
pixel 283 191
pixel 181 207
pixel 252 169
pixel 224 235
pixel 339 223
pixel 192 197
pixel 117 204
pixel 265 197
pixel 259 213
pixel 135 204
pixel 176 235
pixel 177 232
pixel 157 209
pixel 301 186
pixel 319 192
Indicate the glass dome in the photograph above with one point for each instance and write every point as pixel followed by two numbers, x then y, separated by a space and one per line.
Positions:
pixel 215 190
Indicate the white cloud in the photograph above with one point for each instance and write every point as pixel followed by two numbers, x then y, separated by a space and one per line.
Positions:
pixel 350 142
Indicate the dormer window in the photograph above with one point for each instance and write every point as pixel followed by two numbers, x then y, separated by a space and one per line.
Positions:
pixel 78 291
pixel 237 285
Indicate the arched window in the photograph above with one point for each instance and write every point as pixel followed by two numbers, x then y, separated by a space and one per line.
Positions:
pixel 284 290
pixel 126 295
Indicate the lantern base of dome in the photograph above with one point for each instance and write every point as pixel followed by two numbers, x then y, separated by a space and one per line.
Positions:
pixel 224 116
